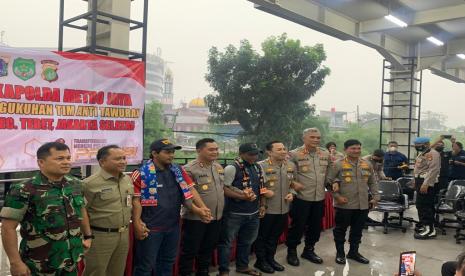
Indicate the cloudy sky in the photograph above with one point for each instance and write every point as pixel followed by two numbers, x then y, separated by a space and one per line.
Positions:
pixel 185 30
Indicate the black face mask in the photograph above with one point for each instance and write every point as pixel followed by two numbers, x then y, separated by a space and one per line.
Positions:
pixel 439 149
pixel 420 148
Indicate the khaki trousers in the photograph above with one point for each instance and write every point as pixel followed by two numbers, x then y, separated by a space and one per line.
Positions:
pixel 107 254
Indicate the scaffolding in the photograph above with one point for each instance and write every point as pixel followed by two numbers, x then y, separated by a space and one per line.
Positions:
pixel 400 106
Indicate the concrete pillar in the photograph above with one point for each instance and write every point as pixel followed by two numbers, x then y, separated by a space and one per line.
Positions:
pixel 115 35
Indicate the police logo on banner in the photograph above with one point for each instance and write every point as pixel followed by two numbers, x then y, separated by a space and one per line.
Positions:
pixel 49 70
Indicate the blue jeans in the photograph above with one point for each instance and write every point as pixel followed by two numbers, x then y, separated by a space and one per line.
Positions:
pixel 156 252
pixel 245 228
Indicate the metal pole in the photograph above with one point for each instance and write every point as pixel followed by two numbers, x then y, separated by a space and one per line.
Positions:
pixel 93 28
pixel 419 102
pixel 412 79
pixel 60 27
pixel 144 30
pixel 382 108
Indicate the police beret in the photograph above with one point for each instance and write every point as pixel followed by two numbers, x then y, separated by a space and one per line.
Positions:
pixel 421 140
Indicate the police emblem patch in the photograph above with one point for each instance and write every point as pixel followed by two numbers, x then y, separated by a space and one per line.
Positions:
pixel 24 68
pixel 49 70
pixel 4 65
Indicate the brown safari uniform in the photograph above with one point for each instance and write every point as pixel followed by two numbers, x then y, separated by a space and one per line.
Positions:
pixel 278 178
pixel 426 171
pixel 308 207
pixel 356 180
pixel 200 239
pixel 109 205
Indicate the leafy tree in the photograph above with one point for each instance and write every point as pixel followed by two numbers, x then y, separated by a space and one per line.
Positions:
pixel 266 93
pixel 154 127
pixel 368 135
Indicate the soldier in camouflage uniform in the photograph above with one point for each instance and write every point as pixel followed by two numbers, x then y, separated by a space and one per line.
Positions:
pixel 49 209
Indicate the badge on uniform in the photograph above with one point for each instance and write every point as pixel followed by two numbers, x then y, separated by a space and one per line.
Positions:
pixel 205 187
pixel 304 168
pixel 271 183
pixel 348 179
pixel 128 201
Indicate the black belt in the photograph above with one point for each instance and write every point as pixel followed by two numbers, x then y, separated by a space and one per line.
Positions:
pixel 109 230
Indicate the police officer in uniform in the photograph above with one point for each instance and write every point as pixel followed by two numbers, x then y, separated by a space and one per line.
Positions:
pixel 279 175
pixel 426 172
pixel 352 179
pixel 312 162
pixel 376 160
pixel 109 204
pixel 200 238
pixel 49 208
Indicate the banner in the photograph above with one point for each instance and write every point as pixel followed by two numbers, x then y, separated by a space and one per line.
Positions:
pixel 85 101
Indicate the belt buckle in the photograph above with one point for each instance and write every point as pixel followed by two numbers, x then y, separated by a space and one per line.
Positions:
pixel 121 229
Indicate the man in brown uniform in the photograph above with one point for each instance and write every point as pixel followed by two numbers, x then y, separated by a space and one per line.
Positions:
pixel 426 172
pixel 200 238
pixel 312 162
pixel 109 203
pixel 353 178
pixel 376 160
pixel 279 176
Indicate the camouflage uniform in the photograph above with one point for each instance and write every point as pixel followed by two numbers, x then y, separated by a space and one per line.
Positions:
pixel 50 217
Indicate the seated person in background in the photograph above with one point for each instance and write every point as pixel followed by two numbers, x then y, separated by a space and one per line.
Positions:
pixel 333 153
pixel 376 159
pixel 394 161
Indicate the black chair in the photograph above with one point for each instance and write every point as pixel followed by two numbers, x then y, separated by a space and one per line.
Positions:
pixel 405 184
pixel 452 202
pixel 459 236
pixel 392 201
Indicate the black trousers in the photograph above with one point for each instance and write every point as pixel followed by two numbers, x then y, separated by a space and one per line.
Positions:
pixel 354 218
pixel 271 228
pixel 306 217
pixel 425 204
pixel 198 242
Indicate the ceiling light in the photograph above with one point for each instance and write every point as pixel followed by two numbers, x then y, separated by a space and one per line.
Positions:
pixel 396 20
pixel 462 56
pixel 435 41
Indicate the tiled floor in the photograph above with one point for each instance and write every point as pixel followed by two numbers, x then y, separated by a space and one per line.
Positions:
pixel 383 251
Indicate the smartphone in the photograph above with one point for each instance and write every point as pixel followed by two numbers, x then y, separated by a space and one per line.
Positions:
pixel 407 263
pixel 447 136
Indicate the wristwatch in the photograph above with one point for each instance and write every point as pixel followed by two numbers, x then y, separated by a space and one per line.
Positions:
pixel 89 237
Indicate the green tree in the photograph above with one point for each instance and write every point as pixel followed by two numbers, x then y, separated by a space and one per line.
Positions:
pixel 266 93
pixel 154 127
pixel 368 135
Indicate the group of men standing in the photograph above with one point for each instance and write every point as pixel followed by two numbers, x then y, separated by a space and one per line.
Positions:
pixel 63 220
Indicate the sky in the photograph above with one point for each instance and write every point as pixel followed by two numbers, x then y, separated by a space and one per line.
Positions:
pixel 185 30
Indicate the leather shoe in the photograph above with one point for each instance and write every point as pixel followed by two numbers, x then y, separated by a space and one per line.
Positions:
pixel 357 257
pixel 275 265
pixel 340 259
pixel 311 256
pixel 292 257
pixel 264 267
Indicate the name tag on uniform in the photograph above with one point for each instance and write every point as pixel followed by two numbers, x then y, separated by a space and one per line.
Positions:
pixel 128 201
pixel 106 190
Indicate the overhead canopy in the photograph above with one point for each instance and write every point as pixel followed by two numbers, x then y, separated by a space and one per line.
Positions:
pixel 365 22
